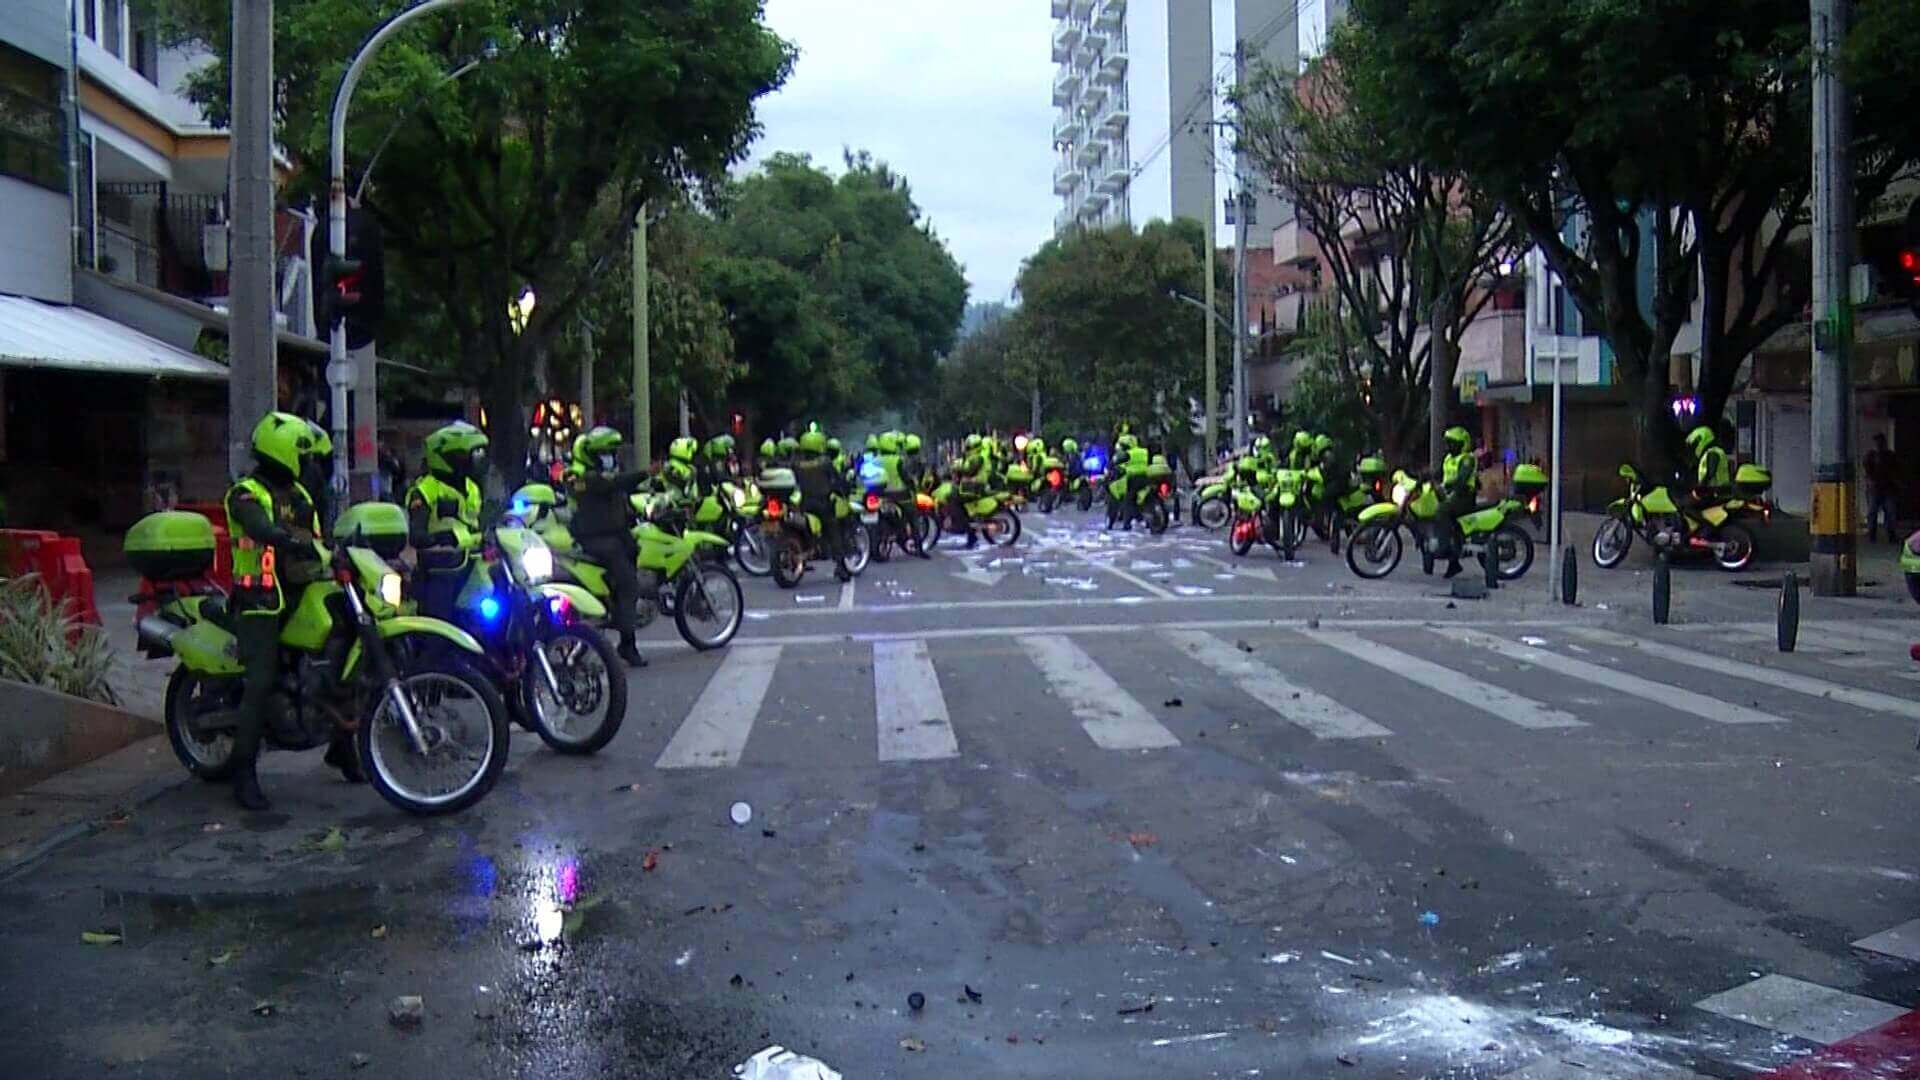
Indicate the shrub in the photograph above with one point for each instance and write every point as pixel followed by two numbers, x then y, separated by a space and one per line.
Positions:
pixel 42 645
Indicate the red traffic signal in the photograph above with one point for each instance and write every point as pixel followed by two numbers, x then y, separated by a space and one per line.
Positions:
pixel 339 290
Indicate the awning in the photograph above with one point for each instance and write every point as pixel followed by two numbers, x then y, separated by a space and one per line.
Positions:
pixel 36 334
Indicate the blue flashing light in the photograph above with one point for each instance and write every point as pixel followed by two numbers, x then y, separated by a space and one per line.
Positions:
pixel 490 608
pixel 1094 462
pixel 872 473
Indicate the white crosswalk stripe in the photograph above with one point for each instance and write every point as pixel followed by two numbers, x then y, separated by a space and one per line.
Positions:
pixel 1511 707
pixel 909 708
pixel 1785 680
pixel 1802 1009
pixel 715 730
pixel 1313 711
pixel 1112 718
pixel 1673 697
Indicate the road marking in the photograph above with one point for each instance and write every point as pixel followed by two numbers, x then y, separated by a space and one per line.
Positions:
pixel 1785 680
pixel 1590 1067
pixel 1319 714
pixel 1240 570
pixel 989 578
pixel 715 731
pixel 1113 718
pixel 1769 637
pixel 1506 705
pixel 1802 1009
pixel 1673 697
pixel 846 595
pixel 1870 631
pixel 950 633
pixel 1132 579
pixel 1902 941
pixel 1855 639
pixel 908 706
pixel 977 576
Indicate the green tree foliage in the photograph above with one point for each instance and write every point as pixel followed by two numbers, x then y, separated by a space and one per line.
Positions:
pixel 984 384
pixel 1631 134
pixel 527 172
pixel 1328 397
pixel 840 295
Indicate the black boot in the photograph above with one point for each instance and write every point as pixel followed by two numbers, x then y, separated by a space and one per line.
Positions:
pixel 1453 568
pixel 842 574
pixel 246 789
pixel 630 652
pixel 973 539
pixel 340 755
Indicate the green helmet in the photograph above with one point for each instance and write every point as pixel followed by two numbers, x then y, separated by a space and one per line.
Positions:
pixel 592 445
pixel 910 444
pixel 681 449
pixel 719 447
pixel 1457 438
pixel 1036 445
pixel 973 442
pixel 1069 447
pixel 283 439
pixel 887 443
pixel 1262 444
pixel 789 445
pixel 1322 443
pixel 1246 467
pixel 322 442
pixel 1700 438
pixel 873 442
pixel 833 446
pixel 1302 440
pixel 813 442
pixel 767 448
pixel 451 447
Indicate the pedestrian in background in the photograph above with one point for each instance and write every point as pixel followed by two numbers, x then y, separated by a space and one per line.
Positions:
pixel 1879 472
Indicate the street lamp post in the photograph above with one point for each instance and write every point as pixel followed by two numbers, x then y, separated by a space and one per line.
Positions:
pixel 340 371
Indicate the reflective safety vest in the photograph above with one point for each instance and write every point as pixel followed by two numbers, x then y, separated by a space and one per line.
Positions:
pixel 1459 473
pixel 449 509
pixel 1713 471
pixel 255 563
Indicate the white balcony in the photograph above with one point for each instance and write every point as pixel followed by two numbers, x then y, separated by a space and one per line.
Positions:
pixel 1114 121
pixel 1080 9
pixel 1064 220
pixel 1068 126
pixel 1065 38
pixel 1059 9
pixel 1066 176
pixel 1093 202
pixel 1114 67
pixel 1091 152
pixel 1092 98
pixel 1115 177
pixel 1111 15
pixel 1065 86
pixel 1096 40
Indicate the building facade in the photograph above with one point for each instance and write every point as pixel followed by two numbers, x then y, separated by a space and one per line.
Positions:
pixel 1133 87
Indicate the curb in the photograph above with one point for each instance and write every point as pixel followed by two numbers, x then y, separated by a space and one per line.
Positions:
pixel 129 800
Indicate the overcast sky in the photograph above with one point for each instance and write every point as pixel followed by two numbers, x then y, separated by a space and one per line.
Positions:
pixel 953 95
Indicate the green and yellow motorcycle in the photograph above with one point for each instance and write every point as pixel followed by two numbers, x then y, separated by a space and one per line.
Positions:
pixel 1648 511
pixel 1413 510
pixel 430 730
pixel 992 516
pixel 682 574
pixel 795 535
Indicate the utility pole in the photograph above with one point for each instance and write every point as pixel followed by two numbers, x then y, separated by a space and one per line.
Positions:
pixel 1211 425
pixel 1244 203
pixel 253 378
pixel 587 357
pixel 642 400
pixel 1832 521
pixel 1439 379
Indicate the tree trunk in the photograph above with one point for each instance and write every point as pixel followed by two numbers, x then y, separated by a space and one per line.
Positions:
pixel 1653 428
pixel 507 423
pixel 1440 364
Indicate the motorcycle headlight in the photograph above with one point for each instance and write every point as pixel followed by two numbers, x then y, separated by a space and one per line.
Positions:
pixel 739 496
pixel 390 589
pixel 537 562
pixel 1400 493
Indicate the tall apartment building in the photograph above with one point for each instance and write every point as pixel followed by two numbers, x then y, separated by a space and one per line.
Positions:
pixel 1134 87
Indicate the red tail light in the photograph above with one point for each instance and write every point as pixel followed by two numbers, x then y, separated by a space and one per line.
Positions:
pixel 774 509
pixel 1053 477
pixel 1533 505
pixel 923 500
pixel 1166 490
pixel 873 501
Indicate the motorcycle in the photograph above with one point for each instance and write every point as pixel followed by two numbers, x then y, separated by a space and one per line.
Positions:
pixel 429 729
pixel 990 512
pixel 794 536
pixel 1086 483
pixel 1649 512
pixel 682 574
pixel 1377 545
pixel 1050 485
pixel 564 681
pixel 732 511
pixel 1213 500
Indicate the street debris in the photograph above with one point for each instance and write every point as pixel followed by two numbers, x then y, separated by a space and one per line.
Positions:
pixel 651 861
pixel 912 1045
pixel 101 937
pixel 737 981
pixel 221 958
pixel 1429 918
pixel 332 840
pixel 213 826
pixel 916 1001
pixel 741 813
pixel 1536 642
pixel 358 1060
pixel 1193 590
pixel 768 833
pixel 779 1063
pixel 809 599
pixel 1338 959
pixel 1243 646
pixel 1136 1010
pixel 407 1010
pixel 1142 839
pixel 378 932
pixel 263 1007
pixel 1345 1060
pixel 1173 703
pixel 972 994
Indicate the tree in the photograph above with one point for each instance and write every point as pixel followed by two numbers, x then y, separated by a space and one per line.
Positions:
pixel 1326 395
pixel 842 297
pixel 1649 149
pixel 1407 246
pixel 529 171
pixel 983 385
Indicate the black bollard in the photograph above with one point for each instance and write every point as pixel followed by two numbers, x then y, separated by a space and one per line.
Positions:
pixel 1569 576
pixel 1662 590
pixel 1490 561
pixel 1789 625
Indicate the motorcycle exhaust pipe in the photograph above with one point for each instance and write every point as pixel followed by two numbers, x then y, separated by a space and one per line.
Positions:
pixel 156 633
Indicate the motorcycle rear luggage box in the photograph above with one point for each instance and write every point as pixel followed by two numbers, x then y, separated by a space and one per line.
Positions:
pixel 380 526
pixel 1752 481
pixel 777 482
pixel 173 545
pixel 1529 480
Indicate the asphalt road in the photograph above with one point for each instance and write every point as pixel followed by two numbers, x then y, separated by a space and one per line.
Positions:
pixel 1116 806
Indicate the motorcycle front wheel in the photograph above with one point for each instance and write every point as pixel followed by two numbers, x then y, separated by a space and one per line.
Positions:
pixel 463 724
pixel 1374 550
pixel 1156 518
pixel 789 562
pixel 190 698
pixel 1516 551
pixel 1241 539
pixel 1085 501
pixel 708 606
pixel 592 682
pixel 1733 547
pixel 1001 528
pixel 1611 542
pixel 750 551
pixel 859 545
pixel 1212 513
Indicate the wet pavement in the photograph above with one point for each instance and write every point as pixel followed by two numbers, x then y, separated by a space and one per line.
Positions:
pixel 1114 806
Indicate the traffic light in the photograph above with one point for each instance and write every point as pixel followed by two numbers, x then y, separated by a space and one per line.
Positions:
pixel 352 289
pixel 1908 260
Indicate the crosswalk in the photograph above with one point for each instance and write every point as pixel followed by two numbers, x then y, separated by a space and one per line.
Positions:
pixel 1323 683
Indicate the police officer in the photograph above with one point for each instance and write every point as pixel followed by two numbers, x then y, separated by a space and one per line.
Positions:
pixel 678 472
pixel 443 514
pixel 819 483
pixel 1712 472
pixel 603 526
pixel 1459 488
pixel 272 521
pixel 971 479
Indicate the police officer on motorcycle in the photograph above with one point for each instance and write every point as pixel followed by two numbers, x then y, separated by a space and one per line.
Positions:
pixel 603 526
pixel 1459 488
pixel 443 513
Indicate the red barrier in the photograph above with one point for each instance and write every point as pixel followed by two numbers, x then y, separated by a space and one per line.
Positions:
pixel 58 561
